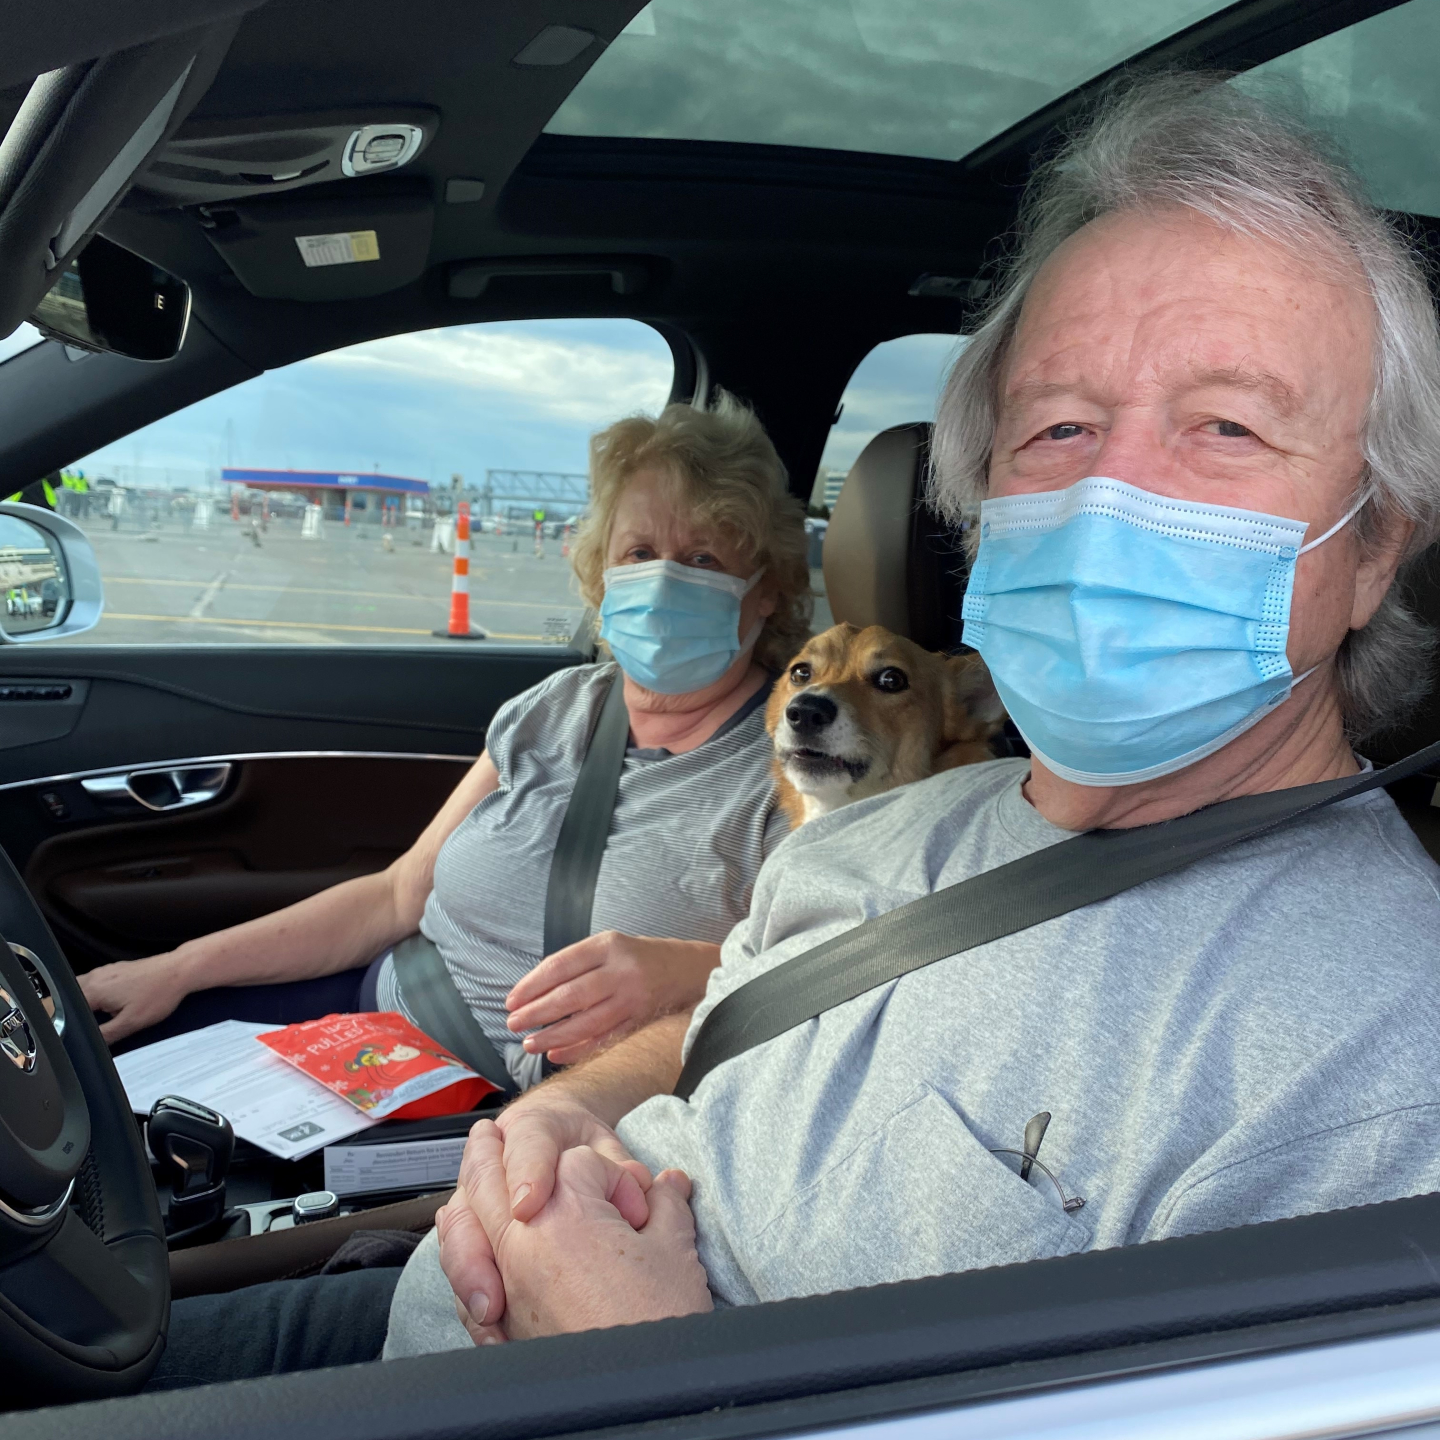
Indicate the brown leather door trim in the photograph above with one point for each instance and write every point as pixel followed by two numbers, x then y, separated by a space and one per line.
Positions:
pixel 118 889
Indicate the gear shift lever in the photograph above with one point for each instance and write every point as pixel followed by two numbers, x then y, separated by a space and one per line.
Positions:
pixel 193 1145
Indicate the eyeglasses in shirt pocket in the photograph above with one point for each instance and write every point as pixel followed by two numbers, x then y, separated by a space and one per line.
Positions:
pixel 919 1195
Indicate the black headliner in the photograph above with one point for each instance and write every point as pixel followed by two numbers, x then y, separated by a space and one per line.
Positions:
pixel 780 267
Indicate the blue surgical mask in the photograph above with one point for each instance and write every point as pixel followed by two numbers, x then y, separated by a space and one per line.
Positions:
pixel 673 628
pixel 1130 634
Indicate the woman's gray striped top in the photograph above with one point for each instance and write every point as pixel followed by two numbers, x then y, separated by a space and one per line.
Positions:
pixel 687 838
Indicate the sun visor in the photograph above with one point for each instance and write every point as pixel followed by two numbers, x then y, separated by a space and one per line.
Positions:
pixel 324 248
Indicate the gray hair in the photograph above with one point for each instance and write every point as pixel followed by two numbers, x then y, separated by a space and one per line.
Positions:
pixel 1251 165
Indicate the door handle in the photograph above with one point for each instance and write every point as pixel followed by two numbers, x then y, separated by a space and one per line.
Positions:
pixel 175 787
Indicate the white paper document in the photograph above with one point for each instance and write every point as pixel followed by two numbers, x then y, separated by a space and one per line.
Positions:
pixel 268 1102
pixel 399 1165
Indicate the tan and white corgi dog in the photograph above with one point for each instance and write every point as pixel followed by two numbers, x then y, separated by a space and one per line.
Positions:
pixel 859 712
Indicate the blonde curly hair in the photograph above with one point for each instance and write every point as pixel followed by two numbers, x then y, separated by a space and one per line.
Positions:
pixel 728 471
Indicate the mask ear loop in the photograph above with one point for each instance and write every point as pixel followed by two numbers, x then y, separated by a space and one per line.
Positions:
pixel 1335 529
pixel 1342 522
pixel 749 641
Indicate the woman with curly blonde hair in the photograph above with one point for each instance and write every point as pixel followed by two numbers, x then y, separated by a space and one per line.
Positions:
pixel 694 554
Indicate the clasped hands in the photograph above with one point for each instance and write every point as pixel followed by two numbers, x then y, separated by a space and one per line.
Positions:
pixel 555 1227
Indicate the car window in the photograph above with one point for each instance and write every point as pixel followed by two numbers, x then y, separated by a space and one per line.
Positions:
pixel 1373 85
pixel 314 504
pixel 896 77
pixel 897 383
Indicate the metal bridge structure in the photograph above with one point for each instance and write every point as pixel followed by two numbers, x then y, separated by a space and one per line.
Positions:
pixel 543 487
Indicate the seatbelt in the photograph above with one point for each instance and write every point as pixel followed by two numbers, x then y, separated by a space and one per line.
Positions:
pixel 442 1012
pixel 1037 887
pixel 425 981
pixel 575 866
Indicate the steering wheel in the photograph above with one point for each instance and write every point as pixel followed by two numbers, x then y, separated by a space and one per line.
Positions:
pixel 84 1271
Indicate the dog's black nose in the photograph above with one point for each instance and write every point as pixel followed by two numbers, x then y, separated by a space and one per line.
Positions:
pixel 810 713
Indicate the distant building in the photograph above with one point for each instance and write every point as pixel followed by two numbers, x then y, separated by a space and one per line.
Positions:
pixel 341 491
pixel 826 490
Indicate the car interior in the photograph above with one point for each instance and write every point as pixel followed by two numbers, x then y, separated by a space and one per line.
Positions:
pixel 514 162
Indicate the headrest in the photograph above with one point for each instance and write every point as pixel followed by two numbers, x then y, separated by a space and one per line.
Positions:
pixel 1422 727
pixel 889 559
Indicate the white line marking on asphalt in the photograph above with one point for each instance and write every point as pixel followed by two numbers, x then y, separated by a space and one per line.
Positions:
pixel 237 624
pixel 198 609
pixel 439 596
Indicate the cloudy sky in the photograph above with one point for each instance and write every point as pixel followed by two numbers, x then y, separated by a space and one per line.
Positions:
pixel 521 396
pixel 906 77
pixel 460 400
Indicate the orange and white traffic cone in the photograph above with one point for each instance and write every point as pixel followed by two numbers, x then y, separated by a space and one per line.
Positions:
pixel 235 503
pixel 565 542
pixel 459 627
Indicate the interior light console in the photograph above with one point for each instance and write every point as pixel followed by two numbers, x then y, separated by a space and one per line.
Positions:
pixel 216 160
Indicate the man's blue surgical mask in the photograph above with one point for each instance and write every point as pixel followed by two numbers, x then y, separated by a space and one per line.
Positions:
pixel 1130 634
pixel 674 628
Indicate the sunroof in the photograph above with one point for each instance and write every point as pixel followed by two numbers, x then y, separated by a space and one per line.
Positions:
pixel 1373 85
pixel 932 78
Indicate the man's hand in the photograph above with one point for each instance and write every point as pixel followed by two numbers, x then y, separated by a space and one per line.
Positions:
pixel 535 1132
pixel 605 986
pixel 601 1252
pixel 134 993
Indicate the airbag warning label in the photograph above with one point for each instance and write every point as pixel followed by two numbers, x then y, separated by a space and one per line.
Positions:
pixel 342 249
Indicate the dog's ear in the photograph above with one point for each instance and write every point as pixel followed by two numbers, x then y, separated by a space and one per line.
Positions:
pixel 971 701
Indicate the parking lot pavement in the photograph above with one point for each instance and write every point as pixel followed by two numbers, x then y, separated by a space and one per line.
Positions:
pixel 218 585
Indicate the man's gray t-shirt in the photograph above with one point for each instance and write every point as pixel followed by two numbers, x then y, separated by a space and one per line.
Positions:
pixel 1251 1038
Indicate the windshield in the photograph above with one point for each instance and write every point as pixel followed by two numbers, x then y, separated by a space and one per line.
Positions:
pixel 898 77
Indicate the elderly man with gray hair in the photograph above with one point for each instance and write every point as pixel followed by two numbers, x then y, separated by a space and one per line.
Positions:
pixel 1200 433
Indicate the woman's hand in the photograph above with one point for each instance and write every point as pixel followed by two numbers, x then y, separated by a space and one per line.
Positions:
pixel 601 1252
pixel 605 986
pixel 134 993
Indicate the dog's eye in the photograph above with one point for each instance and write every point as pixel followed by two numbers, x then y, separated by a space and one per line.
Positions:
pixel 799 674
pixel 891 678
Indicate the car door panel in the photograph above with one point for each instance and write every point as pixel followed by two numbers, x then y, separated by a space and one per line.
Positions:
pixel 283 829
pixel 338 758
pixel 131 706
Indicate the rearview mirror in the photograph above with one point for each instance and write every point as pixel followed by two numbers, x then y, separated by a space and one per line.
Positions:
pixel 49 579
pixel 111 300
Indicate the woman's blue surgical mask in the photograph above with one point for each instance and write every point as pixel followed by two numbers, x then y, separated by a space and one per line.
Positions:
pixel 1130 634
pixel 674 628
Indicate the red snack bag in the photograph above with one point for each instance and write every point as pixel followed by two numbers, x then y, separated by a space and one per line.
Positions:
pixel 381 1064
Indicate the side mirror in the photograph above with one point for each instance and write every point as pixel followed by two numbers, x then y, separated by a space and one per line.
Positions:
pixel 111 300
pixel 49 579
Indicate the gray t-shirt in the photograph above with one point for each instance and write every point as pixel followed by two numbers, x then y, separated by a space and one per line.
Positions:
pixel 688 835
pixel 1251 1038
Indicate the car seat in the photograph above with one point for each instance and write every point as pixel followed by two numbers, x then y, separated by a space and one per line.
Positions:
pixel 1418 797
pixel 889 558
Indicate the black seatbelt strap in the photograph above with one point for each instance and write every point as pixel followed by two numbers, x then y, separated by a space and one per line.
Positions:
pixel 1000 902
pixel 425 980
pixel 570 895
pixel 431 997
